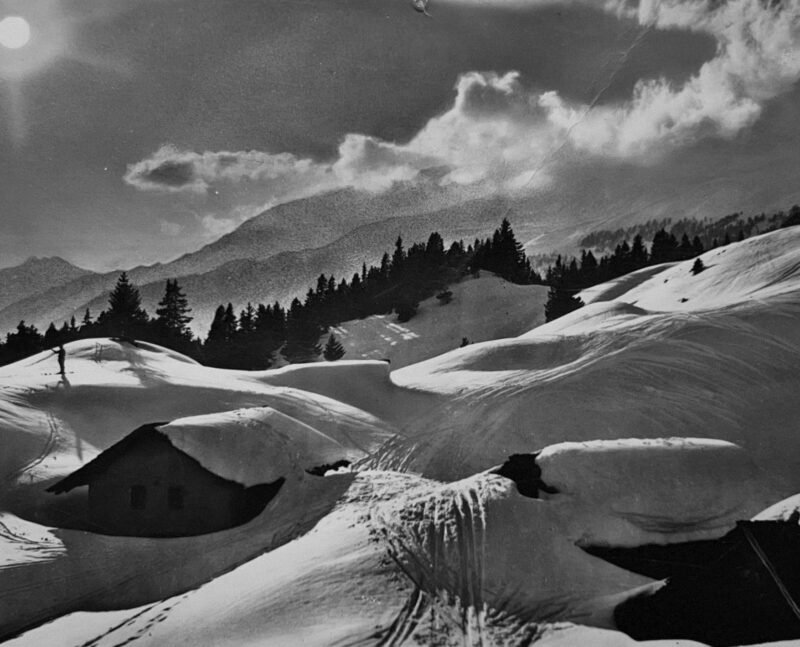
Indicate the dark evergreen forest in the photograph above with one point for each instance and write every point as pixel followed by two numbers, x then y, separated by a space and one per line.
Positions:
pixel 255 336
pixel 252 338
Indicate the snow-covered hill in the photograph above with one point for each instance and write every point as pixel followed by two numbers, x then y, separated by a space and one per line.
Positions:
pixel 661 412
pixel 481 309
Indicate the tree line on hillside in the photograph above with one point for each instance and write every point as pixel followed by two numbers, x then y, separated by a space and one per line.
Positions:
pixel 731 227
pixel 568 277
pixel 125 318
pixel 252 338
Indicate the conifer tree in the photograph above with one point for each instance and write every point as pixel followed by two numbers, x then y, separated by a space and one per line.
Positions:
pixel 51 336
pixel 333 349
pixel 302 334
pixel 125 316
pixel 27 340
pixel 218 345
pixel 697 246
pixel 229 323
pixel 247 320
pixel 560 302
pixel 216 331
pixel 685 250
pixel 269 331
pixel 398 259
pixel 698 266
pixel 638 257
pixel 172 314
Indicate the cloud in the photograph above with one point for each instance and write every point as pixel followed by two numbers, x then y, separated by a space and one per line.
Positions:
pixel 512 138
pixel 497 128
pixel 492 133
pixel 173 170
pixel 372 165
pixel 758 58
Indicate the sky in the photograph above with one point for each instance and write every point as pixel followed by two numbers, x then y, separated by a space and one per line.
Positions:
pixel 132 131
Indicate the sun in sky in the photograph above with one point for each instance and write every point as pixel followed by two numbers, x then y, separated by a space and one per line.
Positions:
pixel 15 32
pixel 33 38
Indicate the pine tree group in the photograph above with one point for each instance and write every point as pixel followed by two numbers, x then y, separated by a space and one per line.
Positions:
pixel 567 279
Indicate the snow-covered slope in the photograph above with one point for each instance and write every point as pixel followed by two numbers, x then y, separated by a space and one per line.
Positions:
pixel 616 369
pixel 481 309
pixel 759 268
pixel 655 420
pixel 50 425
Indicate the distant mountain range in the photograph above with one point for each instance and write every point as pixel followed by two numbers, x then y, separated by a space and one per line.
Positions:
pixel 36 276
pixel 278 254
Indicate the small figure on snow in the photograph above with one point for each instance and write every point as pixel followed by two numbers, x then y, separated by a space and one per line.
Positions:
pixel 62 359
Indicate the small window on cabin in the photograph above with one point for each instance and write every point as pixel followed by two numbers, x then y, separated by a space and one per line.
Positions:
pixel 175 497
pixel 138 497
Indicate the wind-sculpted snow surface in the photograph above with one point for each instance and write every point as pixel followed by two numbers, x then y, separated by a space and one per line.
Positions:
pixel 617 369
pixel 398 560
pixel 662 412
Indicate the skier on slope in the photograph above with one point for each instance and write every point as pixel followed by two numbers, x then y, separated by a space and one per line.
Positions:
pixel 62 359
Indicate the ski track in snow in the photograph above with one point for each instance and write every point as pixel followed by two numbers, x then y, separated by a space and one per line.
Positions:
pixel 48 448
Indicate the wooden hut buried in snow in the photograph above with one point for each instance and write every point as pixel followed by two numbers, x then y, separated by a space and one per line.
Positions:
pixel 144 486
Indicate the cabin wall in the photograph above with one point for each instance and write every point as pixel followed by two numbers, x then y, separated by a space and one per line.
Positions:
pixel 209 503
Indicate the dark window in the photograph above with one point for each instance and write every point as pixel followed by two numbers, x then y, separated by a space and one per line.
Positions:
pixel 138 497
pixel 175 497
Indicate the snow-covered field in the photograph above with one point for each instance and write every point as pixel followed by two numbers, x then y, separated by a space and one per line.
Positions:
pixel 481 309
pixel 664 411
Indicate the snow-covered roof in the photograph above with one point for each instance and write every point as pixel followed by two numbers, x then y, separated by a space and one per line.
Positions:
pixel 247 446
pixel 255 445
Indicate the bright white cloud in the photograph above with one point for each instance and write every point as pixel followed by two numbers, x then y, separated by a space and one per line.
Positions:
pixel 758 58
pixel 500 133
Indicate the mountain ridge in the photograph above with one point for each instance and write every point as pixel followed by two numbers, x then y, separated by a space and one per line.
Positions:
pixel 284 242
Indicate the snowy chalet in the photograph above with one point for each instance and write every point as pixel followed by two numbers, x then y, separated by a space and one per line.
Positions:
pixel 144 486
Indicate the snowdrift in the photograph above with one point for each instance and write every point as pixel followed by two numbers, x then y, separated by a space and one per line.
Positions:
pixel 662 412
pixel 50 425
pixel 616 369
pixel 674 489
pixel 398 560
